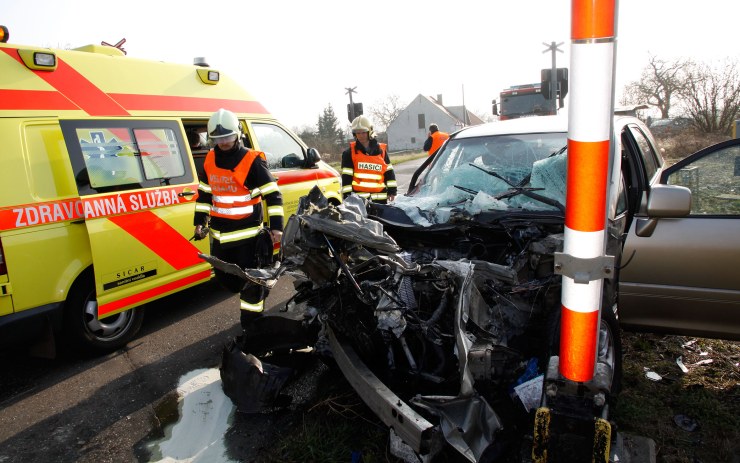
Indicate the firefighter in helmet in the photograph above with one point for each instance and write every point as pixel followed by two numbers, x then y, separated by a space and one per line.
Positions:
pixel 366 168
pixel 229 206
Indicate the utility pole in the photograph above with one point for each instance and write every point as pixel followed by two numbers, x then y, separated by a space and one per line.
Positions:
pixel 350 91
pixel 553 47
pixel 466 121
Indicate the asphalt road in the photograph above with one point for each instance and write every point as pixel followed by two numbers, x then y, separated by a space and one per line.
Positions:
pixel 107 409
pixel 97 409
pixel 404 172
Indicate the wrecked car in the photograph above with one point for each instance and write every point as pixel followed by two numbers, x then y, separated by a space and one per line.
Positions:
pixel 443 309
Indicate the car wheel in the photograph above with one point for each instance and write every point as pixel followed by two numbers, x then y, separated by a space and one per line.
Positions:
pixel 86 332
pixel 609 349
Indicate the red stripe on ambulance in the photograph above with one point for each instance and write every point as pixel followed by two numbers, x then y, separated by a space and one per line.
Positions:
pixel 77 88
pixel 156 234
pixel 74 92
pixel 134 102
pixel 30 215
pixel 34 100
pixel 308 175
pixel 139 298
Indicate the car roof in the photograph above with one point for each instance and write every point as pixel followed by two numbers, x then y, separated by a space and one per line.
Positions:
pixel 536 124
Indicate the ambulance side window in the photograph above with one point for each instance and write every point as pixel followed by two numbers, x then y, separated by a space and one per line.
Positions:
pixel 125 155
pixel 281 149
pixel 159 154
pixel 110 157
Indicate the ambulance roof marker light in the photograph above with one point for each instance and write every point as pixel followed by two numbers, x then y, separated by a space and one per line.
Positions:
pixel 207 76
pixel 38 60
pixel 33 59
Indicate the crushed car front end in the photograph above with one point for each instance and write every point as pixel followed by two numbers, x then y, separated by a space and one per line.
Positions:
pixel 443 309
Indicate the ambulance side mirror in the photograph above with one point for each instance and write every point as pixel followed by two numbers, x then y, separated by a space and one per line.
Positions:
pixel 312 157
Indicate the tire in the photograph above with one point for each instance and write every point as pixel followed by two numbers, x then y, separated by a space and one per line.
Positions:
pixel 88 334
pixel 610 346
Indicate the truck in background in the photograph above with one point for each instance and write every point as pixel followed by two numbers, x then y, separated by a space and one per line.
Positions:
pixel 534 99
pixel 522 101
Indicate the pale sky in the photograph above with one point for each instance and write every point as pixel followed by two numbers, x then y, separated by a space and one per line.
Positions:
pixel 297 57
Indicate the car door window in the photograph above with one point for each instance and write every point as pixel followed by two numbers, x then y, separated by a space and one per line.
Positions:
pixel 280 148
pixel 647 152
pixel 621 197
pixel 633 171
pixel 714 181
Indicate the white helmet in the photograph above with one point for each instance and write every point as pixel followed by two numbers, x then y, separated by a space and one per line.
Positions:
pixel 362 124
pixel 223 123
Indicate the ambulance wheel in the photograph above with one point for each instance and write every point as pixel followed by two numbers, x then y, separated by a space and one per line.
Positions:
pixel 86 332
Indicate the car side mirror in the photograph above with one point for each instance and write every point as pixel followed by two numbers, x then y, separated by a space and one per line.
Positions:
pixel 664 201
pixel 312 157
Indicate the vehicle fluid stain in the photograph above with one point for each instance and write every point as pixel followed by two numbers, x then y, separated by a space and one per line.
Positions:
pixel 205 414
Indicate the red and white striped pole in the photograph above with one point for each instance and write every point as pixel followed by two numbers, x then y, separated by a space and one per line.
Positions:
pixel 593 36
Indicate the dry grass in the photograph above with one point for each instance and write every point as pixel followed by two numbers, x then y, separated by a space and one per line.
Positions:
pixel 677 146
pixel 707 396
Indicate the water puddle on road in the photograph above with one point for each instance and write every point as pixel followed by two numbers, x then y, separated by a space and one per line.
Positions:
pixel 203 414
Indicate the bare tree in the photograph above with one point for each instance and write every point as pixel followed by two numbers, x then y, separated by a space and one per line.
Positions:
pixel 384 111
pixel 661 82
pixel 712 96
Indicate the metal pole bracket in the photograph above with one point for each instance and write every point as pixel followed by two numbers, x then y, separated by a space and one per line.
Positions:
pixel 583 270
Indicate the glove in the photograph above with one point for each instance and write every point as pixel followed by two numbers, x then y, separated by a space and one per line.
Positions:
pixel 276 236
pixel 200 232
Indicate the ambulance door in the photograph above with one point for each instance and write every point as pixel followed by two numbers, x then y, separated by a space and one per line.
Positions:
pixel 288 161
pixel 137 197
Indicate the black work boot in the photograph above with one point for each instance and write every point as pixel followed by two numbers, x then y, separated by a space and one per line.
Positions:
pixel 246 340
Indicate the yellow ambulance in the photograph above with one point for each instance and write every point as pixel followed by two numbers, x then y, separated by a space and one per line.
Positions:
pixel 99 172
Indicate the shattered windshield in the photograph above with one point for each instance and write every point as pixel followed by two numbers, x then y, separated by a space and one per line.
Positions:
pixel 498 172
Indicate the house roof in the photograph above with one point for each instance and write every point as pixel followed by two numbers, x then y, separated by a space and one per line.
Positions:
pixel 457 112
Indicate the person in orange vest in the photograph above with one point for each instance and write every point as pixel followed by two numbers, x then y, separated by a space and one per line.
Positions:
pixel 435 140
pixel 229 207
pixel 366 168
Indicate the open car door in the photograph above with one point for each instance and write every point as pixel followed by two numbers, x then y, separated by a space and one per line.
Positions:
pixel 137 191
pixel 681 277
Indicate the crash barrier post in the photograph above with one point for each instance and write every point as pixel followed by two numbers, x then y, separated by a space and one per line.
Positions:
pixel 593 35
pixel 566 418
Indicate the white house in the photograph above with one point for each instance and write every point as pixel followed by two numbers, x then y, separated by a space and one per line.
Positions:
pixel 411 127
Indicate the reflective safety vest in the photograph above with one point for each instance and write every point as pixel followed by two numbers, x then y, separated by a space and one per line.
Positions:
pixel 368 170
pixel 437 139
pixel 230 199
